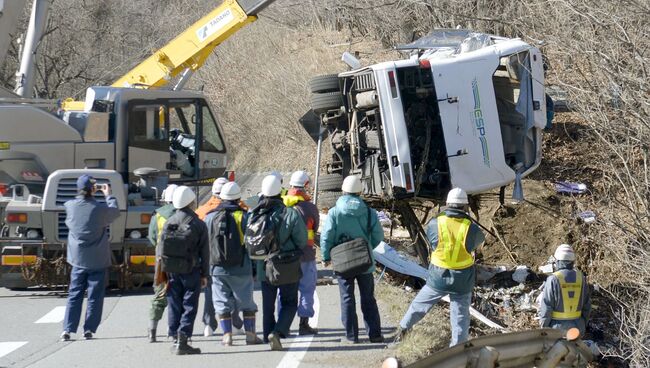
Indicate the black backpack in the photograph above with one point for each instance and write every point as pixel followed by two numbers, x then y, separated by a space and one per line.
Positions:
pixel 261 233
pixel 226 245
pixel 176 248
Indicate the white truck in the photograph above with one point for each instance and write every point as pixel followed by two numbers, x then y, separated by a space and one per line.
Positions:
pixel 464 110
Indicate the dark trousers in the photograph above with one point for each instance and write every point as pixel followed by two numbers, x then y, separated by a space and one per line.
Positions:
pixel 183 298
pixel 209 318
pixel 80 280
pixel 368 306
pixel 288 308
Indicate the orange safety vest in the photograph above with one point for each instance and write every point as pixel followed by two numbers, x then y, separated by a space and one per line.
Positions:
pixel 571 293
pixel 291 200
pixel 450 253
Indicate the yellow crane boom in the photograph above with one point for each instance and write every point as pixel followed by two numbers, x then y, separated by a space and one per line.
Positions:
pixel 190 49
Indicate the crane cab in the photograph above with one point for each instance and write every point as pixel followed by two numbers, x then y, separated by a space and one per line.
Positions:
pixel 172 131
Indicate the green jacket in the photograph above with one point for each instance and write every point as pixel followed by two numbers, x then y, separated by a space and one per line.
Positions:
pixel 155 227
pixel 349 220
pixel 292 231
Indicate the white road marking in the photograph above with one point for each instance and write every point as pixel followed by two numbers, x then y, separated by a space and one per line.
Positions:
pixel 298 348
pixel 54 316
pixel 8 347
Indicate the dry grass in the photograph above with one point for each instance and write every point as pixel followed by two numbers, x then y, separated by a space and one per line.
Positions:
pixel 428 336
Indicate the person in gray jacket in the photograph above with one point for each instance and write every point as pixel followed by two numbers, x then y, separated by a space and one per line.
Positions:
pixel 565 302
pixel 89 254
pixel 453 239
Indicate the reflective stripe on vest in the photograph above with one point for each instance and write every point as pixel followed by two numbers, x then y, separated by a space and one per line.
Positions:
pixel 450 253
pixel 160 222
pixel 571 294
pixel 238 215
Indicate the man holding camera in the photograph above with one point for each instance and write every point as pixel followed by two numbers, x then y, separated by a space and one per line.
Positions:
pixel 89 254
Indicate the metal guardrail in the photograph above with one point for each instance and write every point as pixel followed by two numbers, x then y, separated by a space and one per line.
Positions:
pixel 544 348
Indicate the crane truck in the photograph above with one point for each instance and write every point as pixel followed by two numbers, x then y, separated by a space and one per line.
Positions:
pixel 135 135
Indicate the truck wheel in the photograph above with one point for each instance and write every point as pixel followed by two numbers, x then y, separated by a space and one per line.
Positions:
pixel 324 83
pixel 323 102
pixel 327 200
pixel 330 182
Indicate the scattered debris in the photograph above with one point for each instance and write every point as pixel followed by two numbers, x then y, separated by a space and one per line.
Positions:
pixel 587 216
pixel 566 187
pixel 521 274
pixel 384 219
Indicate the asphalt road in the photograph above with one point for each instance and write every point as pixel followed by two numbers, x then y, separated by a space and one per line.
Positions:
pixel 31 322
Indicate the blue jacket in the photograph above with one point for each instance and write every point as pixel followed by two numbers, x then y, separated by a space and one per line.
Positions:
pixel 453 281
pixel 349 220
pixel 246 268
pixel 88 222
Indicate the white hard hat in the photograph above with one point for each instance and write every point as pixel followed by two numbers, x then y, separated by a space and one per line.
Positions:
pixel 271 186
pixel 216 186
pixel 564 252
pixel 183 196
pixel 299 179
pixel 457 196
pixel 168 193
pixel 277 175
pixel 352 184
pixel 230 191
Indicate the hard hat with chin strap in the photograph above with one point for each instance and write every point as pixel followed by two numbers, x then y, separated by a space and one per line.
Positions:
pixel 230 192
pixel 218 184
pixel 271 186
pixel 183 197
pixel 299 179
pixel 564 252
pixel 457 196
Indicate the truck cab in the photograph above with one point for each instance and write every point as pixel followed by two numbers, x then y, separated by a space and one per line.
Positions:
pixel 136 140
pixel 464 110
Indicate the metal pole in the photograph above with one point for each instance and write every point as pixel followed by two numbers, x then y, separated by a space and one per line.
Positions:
pixel 37 22
pixel 318 154
pixel 185 77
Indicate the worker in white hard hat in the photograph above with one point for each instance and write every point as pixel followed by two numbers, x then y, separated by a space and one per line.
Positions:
pixel 565 302
pixel 185 253
pixel 290 238
pixel 159 301
pixel 214 200
pixel 230 265
pixel 209 317
pixel 453 238
pixel 298 198
pixel 350 219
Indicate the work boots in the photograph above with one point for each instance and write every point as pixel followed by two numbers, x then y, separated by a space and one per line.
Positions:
pixel 305 329
pixel 183 348
pixel 225 321
pixel 249 327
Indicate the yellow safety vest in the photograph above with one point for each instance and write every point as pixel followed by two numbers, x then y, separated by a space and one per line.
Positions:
pixel 160 222
pixel 238 215
pixel 571 293
pixel 450 253
pixel 292 200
